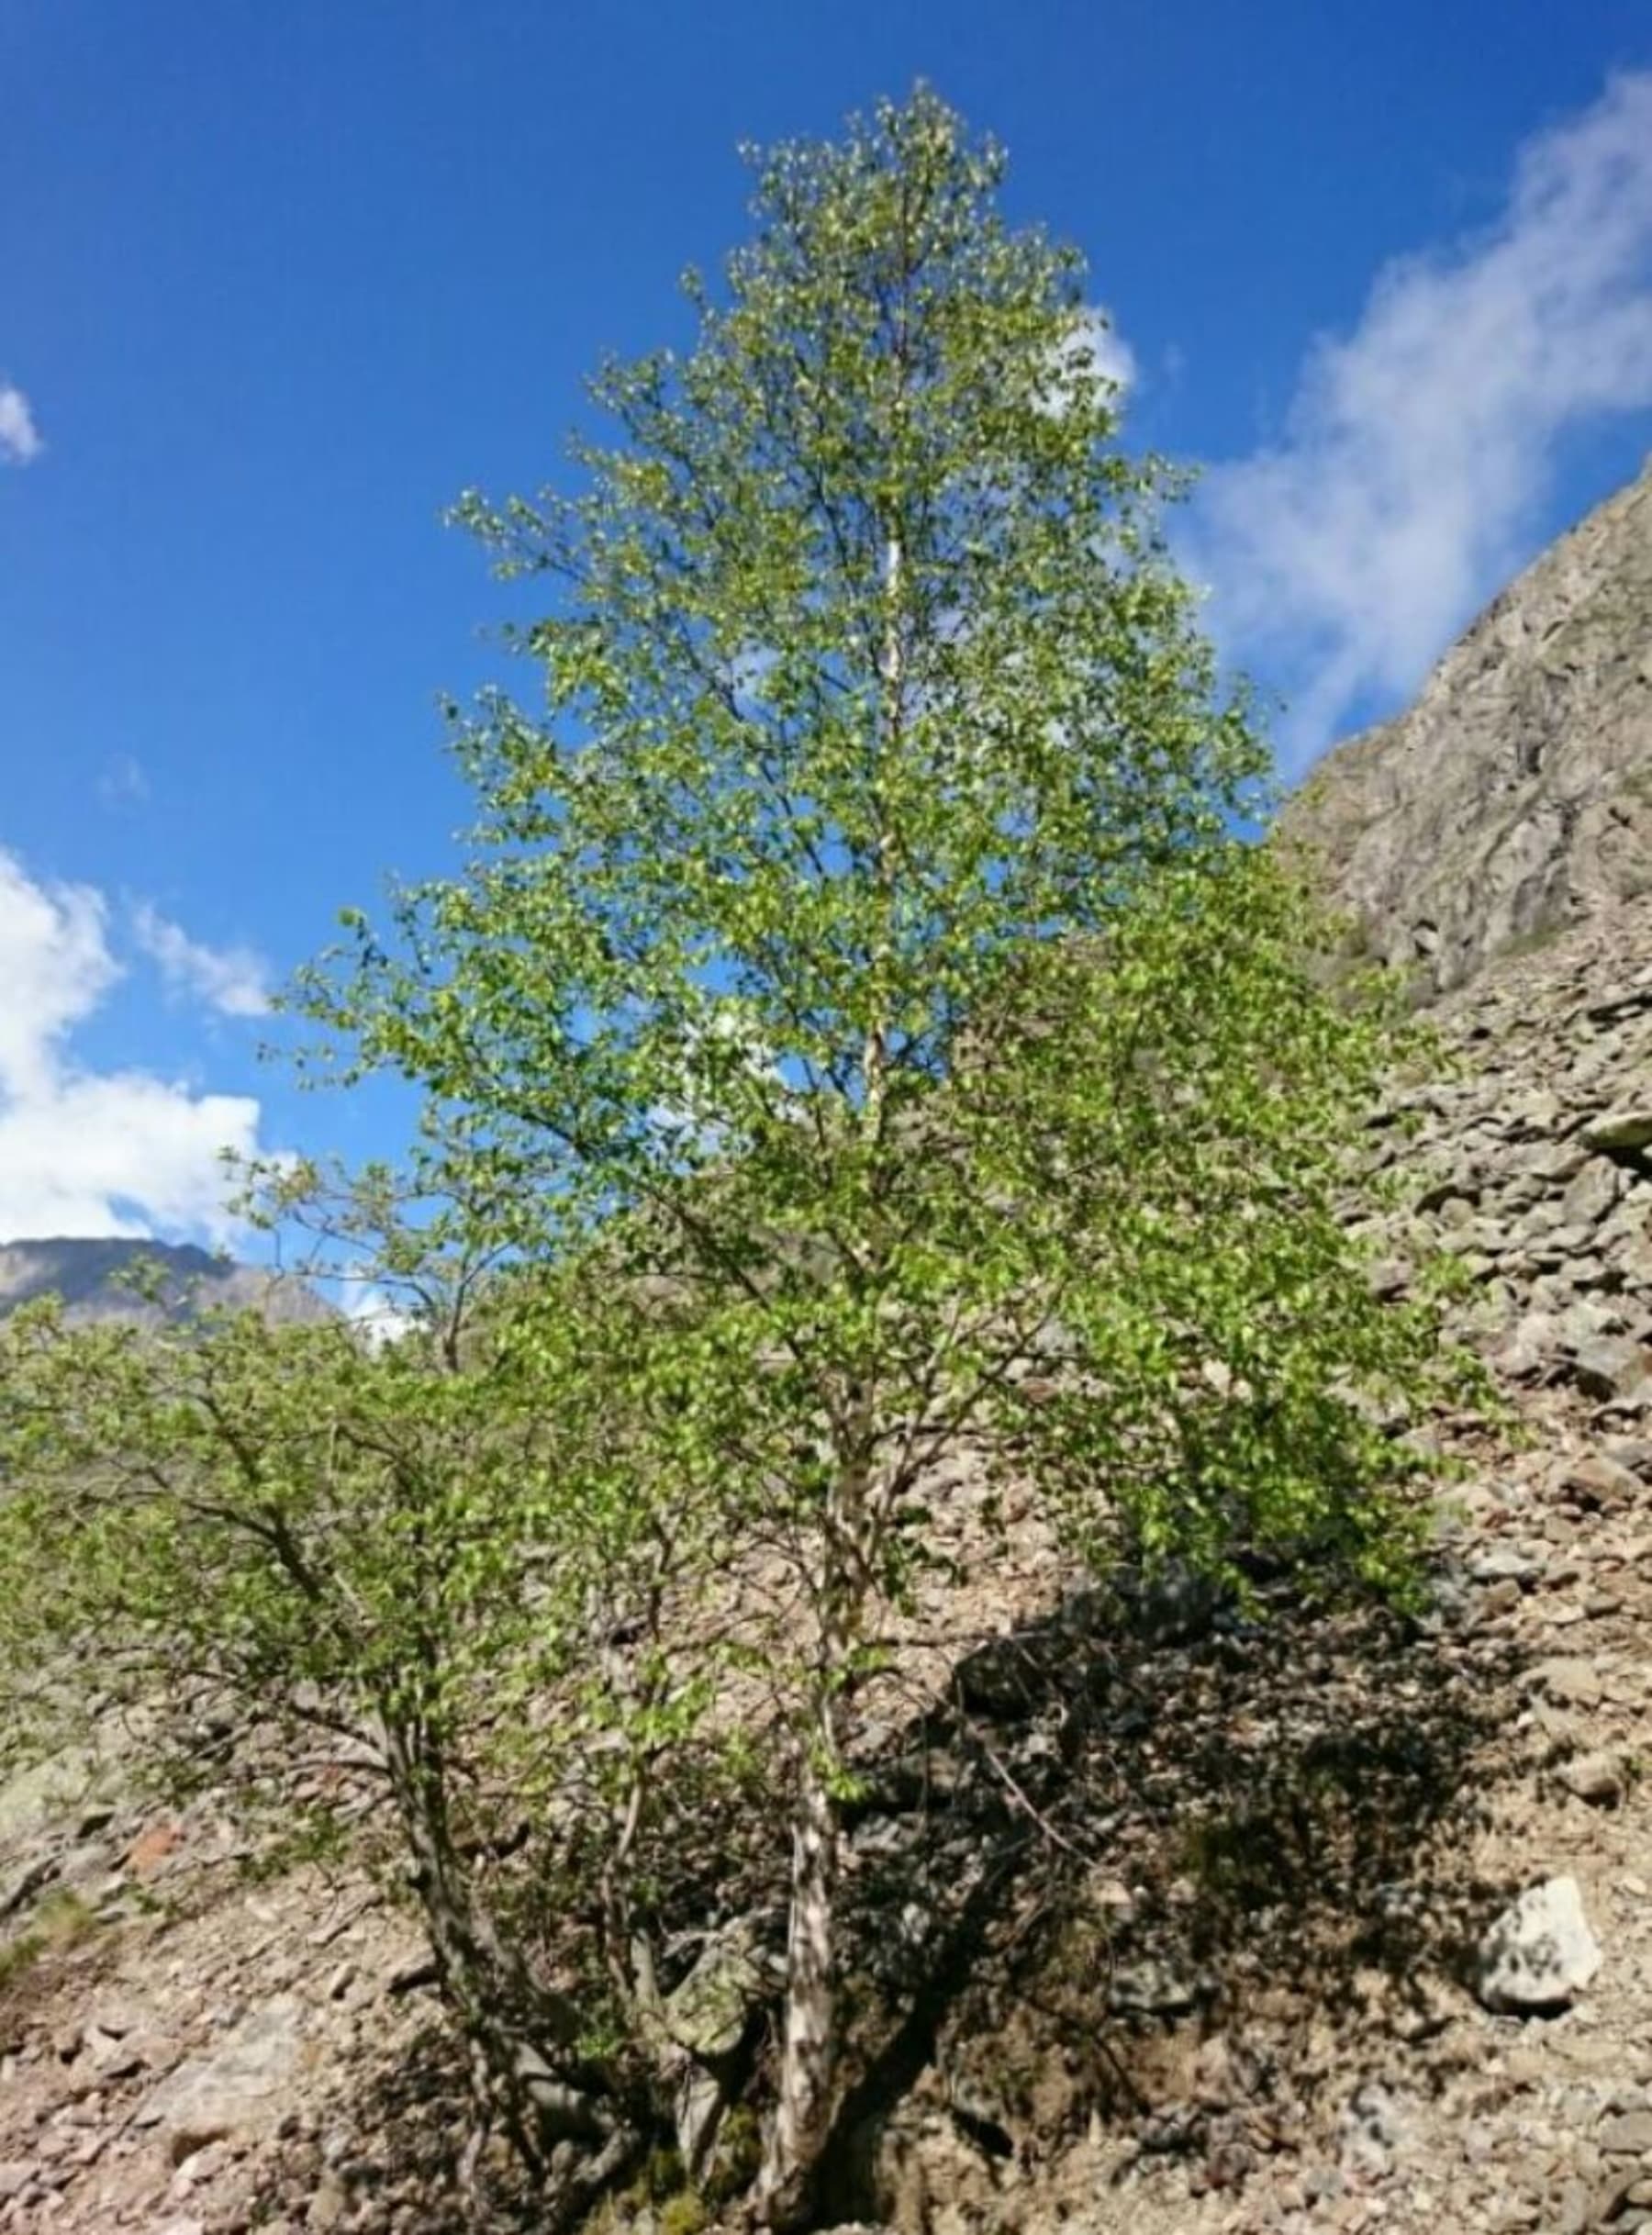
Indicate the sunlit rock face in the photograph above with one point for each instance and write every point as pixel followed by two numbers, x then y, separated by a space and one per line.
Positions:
pixel 1515 797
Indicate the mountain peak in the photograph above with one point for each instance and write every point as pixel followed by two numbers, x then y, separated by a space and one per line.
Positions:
pixel 92 1275
pixel 1515 797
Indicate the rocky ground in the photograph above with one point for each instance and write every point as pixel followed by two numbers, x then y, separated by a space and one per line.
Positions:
pixel 1338 1925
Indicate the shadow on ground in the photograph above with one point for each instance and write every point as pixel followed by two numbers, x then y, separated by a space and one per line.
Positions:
pixel 1151 1865
pixel 1153 1861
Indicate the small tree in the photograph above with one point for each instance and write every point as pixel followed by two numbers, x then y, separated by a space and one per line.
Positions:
pixel 441 1577
pixel 862 934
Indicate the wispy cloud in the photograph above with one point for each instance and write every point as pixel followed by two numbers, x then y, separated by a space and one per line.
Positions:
pixel 122 782
pixel 19 437
pixel 233 980
pixel 1419 448
pixel 83 1152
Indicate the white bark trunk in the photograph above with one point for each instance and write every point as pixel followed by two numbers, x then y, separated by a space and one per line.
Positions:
pixel 809 2055
pixel 803 2113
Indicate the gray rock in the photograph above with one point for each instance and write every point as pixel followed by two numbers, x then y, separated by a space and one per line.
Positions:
pixel 241 2087
pixel 1575 1683
pixel 329 2207
pixel 1529 1347
pixel 46 1790
pixel 1505 1563
pixel 1153 1987
pixel 708 2012
pixel 1505 805
pixel 1540 1953
pixel 1608 1366
pixel 1602 1482
pixel 1597 1778
pixel 1629 1127
pixel 1369 2130
pixel 1627 2135
pixel 1592 1194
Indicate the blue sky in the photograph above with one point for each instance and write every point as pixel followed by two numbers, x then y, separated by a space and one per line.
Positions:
pixel 275 283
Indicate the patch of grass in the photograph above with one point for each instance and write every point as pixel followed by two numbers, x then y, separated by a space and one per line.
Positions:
pixel 1532 942
pixel 18 1955
pixel 683 2215
pixel 737 2158
pixel 63 1918
pixel 59 1921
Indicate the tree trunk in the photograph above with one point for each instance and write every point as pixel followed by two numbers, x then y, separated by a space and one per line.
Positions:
pixel 808 2056
pixel 521 2034
pixel 803 2115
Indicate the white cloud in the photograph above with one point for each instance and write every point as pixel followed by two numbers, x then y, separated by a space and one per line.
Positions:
pixel 19 437
pixel 374 1311
pixel 1419 447
pixel 233 980
pixel 84 1152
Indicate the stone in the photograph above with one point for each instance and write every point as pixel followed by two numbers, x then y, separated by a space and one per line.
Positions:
pixel 1592 1194
pixel 1369 2130
pixel 35 1795
pixel 1540 1953
pixel 152 1848
pixel 329 2206
pixel 708 2012
pixel 1601 1483
pixel 1597 1778
pixel 1505 1563
pixel 1499 1599
pixel 238 2088
pixel 1574 1683
pixel 1154 1988
pixel 1627 2135
pixel 1530 1347
pixel 1607 1365
pixel 1628 1127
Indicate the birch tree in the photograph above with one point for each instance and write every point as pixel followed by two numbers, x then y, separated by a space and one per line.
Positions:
pixel 858 928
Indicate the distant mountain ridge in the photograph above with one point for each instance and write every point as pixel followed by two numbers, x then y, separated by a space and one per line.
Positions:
pixel 1514 798
pixel 91 1276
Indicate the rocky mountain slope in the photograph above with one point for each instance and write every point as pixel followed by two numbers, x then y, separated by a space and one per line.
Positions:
pixel 1515 795
pixel 93 1276
pixel 1251 1928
